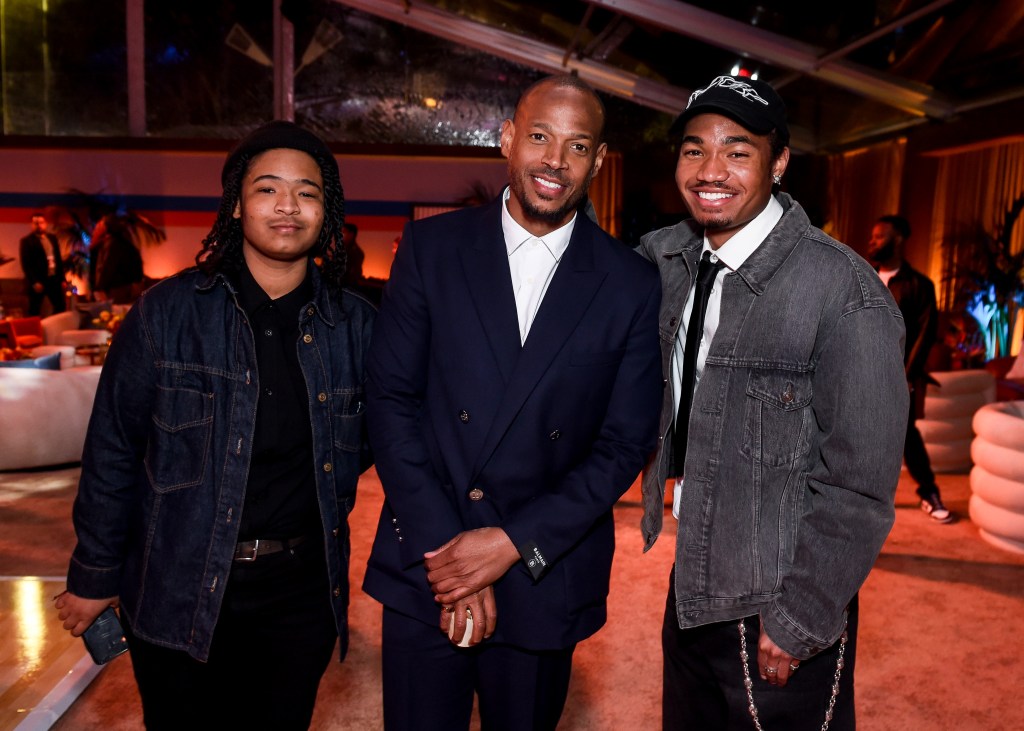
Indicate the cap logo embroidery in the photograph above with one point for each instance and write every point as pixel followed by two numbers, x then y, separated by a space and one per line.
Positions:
pixel 727 82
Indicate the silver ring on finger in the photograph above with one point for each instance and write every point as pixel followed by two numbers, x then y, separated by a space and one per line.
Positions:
pixel 770 671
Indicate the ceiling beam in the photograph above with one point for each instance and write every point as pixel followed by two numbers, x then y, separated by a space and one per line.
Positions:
pixel 526 51
pixel 746 40
pixel 542 56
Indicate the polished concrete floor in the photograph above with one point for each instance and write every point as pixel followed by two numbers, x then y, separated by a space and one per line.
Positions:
pixel 939 644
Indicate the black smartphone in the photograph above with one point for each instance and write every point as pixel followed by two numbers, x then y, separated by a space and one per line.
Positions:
pixel 105 637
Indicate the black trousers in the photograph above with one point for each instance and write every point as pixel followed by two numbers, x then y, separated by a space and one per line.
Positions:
pixel 915 456
pixel 52 290
pixel 429 683
pixel 272 644
pixel 703 686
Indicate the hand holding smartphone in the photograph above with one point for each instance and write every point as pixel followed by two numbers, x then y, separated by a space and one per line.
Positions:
pixel 105 637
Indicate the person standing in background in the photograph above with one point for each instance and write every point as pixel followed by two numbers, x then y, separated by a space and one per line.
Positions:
pixel 915 295
pixel 781 433
pixel 43 266
pixel 115 262
pixel 354 256
pixel 223 452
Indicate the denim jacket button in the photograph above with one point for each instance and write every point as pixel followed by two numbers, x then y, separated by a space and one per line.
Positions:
pixel 309 311
pixel 307 338
pixel 328 467
pixel 787 394
pixel 321 397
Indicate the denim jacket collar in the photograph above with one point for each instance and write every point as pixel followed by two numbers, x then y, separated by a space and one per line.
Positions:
pixel 321 302
pixel 760 266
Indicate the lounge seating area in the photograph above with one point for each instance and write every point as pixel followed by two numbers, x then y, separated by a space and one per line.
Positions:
pixel 46 395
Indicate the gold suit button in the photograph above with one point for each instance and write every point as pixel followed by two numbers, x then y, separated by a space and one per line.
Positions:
pixel 476 494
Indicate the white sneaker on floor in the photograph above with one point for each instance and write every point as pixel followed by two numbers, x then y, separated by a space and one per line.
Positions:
pixel 932 505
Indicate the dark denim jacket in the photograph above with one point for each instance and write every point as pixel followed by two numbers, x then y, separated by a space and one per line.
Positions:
pixel 795 438
pixel 167 454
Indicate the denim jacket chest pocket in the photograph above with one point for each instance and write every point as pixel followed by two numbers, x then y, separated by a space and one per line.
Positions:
pixel 778 416
pixel 348 407
pixel 178 450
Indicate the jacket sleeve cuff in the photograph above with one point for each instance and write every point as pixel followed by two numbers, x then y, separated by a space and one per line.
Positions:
pixel 534 559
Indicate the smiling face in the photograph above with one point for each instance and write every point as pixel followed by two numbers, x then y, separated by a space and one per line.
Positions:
pixel 725 174
pixel 281 207
pixel 553 152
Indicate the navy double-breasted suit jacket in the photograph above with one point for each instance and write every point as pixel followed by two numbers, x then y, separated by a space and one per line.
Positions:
pixel 470 429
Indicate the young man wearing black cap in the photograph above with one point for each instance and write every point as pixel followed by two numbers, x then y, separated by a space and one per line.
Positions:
pixel 223 453
pixel 782 432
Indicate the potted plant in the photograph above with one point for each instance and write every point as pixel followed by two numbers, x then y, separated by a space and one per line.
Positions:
pixel 988 280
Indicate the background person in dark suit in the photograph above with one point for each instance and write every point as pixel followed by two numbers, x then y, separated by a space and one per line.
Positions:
pixel 512 397
pixel 44 269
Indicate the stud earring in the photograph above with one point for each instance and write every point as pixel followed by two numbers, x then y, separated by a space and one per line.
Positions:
pixel 777 179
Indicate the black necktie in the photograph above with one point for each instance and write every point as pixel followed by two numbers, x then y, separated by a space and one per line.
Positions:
pixel 706 274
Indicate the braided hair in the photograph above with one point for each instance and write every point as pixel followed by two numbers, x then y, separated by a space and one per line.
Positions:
pixel 222 247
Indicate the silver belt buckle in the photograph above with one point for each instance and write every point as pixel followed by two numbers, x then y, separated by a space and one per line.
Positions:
pixel 255 552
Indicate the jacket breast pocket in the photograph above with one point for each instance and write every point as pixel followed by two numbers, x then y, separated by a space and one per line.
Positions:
pixel 349 407
pixel 777 422
pixel 179 446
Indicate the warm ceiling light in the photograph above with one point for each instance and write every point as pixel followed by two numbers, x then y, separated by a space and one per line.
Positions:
pixel 430 102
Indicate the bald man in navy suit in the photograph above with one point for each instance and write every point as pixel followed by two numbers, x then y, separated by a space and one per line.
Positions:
pixel 514 383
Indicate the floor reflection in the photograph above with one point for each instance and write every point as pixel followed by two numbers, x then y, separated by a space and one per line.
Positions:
pixel 35 651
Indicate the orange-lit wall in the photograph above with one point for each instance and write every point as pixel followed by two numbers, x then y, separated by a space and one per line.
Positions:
pixel 179 192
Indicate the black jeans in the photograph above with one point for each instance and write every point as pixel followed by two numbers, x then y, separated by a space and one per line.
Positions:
pixel 272 644
pixel 915 456
pixel 703 680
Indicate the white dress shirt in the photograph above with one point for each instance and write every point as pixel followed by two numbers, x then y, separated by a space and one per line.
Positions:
pixel 532 261
pixel 732 254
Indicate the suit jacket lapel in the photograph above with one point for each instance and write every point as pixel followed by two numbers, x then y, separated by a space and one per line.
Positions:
pixel 485 266
pixel 566 301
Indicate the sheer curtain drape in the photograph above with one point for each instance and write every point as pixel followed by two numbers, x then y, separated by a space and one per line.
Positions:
pixel 975 187
pixel 863 185
pixel 606 194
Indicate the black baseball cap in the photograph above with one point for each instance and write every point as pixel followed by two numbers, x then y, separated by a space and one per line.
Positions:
pixel 752 103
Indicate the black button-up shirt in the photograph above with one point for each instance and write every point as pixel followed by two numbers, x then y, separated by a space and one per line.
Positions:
pixel 280 497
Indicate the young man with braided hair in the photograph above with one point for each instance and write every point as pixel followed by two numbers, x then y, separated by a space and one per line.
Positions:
pixel 222 457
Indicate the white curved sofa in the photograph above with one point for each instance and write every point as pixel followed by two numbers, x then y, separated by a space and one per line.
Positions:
pixel 997 479
pixel 949 409
pixel 44 415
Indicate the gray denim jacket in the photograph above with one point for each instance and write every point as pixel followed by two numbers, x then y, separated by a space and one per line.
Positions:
pixel 796 433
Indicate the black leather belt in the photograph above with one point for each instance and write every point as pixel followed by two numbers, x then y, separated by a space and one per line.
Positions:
pixel 251 550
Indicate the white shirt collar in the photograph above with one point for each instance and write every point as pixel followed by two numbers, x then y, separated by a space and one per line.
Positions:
pixel 744 242
pixel 556 242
